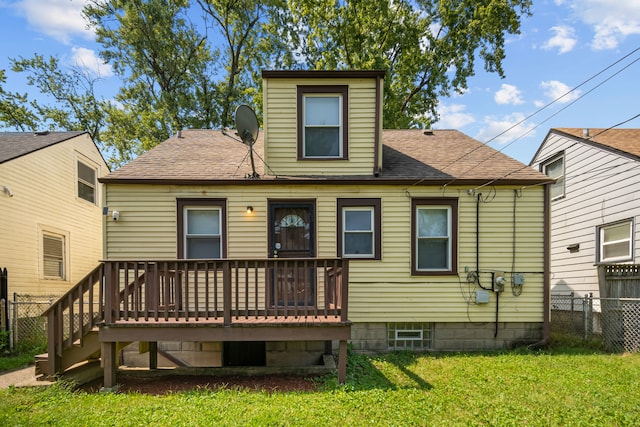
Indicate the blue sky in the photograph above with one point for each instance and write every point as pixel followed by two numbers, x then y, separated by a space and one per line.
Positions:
pixel 586 50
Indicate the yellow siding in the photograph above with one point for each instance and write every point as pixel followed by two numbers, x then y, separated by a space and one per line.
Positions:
pixel 280 126
pixel 44 190
pixel 381 290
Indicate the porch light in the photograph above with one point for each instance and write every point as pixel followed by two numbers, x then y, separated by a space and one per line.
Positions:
pixel 249 209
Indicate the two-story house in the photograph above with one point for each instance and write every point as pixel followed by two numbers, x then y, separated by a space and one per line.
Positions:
pixel 51 209
pixel 343 232
pixel 594 204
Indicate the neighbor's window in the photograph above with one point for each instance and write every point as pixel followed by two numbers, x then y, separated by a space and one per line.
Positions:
pixel 201 229
pixel 322 127
pixel 434 226
pixel 554 168
pixel 53 256
pixel 615 242
pixel 87 182
pixel 359 225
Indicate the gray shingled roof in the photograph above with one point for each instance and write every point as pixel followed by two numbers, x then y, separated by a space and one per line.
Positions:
pixel 444 155
pixel 17 144
pixel 626 140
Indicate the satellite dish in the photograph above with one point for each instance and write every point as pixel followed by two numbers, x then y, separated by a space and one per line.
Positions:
pixel 247 126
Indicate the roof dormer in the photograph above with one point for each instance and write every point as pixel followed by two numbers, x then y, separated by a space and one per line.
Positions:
pixel 323 123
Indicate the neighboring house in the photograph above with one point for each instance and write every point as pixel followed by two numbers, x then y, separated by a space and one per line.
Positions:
pixel 50 204
pixel 594 203
pixel 388 239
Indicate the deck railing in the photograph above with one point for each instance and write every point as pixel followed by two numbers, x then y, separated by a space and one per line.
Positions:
pixel 211 291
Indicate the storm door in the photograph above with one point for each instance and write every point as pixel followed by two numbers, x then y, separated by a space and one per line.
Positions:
pixel 292 236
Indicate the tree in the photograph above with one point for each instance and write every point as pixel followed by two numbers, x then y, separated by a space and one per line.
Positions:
pixel 14 109
pixel 427 47
pixel 76 106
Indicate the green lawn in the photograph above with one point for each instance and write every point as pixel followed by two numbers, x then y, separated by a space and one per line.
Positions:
pixel 561 387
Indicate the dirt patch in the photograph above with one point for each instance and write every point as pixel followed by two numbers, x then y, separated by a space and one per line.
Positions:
pixel 176 383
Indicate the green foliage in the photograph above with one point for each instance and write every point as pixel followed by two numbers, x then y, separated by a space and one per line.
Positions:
pixel 543 388
pixel 14 109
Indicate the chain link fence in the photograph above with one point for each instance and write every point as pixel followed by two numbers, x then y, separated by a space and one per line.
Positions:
pixel 28 329
pixel 614 321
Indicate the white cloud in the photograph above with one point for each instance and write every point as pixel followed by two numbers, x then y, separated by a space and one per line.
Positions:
pixel 564 39
pixel 508 94
pixel 612 20
pixel 554 89
pixel 453 116
pixel 88 60
pixel 504 129
pixel 59 19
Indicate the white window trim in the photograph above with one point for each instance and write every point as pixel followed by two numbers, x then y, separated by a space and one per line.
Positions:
pixel 602 244
pixel 559 179
pixel 57 233
pixel 90 164
pixel 449 237
pixel 418 335
pixel 185 218
pixel 371 231
pixel 339 125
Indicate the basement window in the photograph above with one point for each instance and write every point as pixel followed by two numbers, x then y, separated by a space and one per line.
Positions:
pixel 409 336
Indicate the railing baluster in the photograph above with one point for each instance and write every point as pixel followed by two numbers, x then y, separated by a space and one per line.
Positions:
pixel 256 304
pixel 195 290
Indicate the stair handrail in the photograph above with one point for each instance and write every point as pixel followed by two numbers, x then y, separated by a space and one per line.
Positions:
pixel 89 313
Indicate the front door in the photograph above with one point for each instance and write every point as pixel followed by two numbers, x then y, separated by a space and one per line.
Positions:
pixel 292 235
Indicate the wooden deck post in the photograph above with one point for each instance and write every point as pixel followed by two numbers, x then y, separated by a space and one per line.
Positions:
pixel 109 364
pixel 342 362
pixel 153 355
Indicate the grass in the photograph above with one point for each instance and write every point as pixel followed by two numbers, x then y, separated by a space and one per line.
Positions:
pixel 564 386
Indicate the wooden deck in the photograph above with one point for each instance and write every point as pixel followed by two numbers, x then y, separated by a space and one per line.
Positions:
pixel 202 300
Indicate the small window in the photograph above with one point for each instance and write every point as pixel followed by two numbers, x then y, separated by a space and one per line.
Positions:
pixel 554 168
pixel 53 256
pixel 616 242
pixel 434 225
pixel 359 228
pixel 87 182
pixel 409 336
pixel 201 229
pixel 322 127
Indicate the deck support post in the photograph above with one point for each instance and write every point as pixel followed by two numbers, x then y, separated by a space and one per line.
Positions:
pixel 342 362
pixel 109 363
pixel 153 355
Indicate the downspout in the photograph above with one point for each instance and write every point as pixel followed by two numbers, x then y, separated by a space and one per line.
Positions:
pixel 546 298
pixel 377 148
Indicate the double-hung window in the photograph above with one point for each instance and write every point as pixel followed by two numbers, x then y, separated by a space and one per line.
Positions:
pixel 322 124
pixel 359 227
pixel 554 168
pixel 615 242
pixel 87 183
pixel 201 225
pixel 434 229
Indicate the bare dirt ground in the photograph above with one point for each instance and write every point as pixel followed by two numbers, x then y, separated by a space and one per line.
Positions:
pixel 176 383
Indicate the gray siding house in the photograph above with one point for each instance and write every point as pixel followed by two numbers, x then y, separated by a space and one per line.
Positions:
pixel 595 203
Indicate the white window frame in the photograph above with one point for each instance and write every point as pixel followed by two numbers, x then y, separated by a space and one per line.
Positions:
pixel 560 179
pixel 338 125
pixel 370 231
pixel 187 236
pixel 449 237
pixel 81 181
pixel 602 243
pixel 63 237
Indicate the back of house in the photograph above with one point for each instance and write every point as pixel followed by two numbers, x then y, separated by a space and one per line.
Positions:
pixel 444 236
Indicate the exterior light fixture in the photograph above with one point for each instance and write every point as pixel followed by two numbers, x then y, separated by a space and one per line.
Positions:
pixel 249 209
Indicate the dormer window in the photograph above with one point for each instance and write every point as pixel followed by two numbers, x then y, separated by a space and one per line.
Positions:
pixel 322 122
